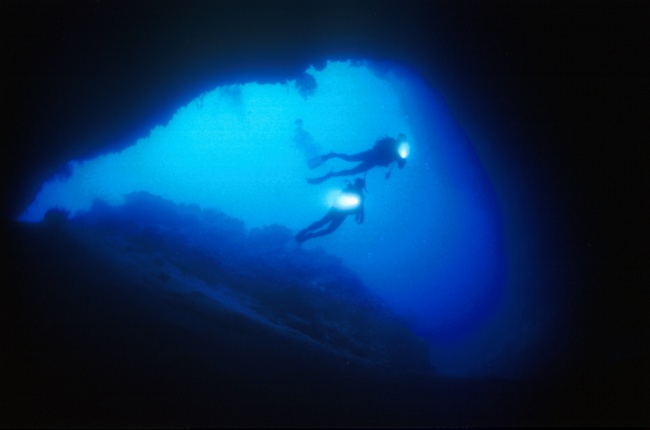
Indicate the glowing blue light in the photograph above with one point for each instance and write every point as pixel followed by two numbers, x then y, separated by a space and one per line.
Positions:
pixel 347 201
pixel 403 150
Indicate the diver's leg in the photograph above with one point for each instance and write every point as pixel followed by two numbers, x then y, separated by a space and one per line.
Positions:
pixel 320 178
pixel 359 156
pixel 360 168
pixel 304 234
pixel 336 223
pixel 321 222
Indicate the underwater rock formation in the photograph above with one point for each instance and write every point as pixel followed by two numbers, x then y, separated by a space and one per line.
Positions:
pixel 306 85
pixel 305 293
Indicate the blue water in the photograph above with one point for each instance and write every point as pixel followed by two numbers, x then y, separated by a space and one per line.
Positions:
pixel 433 242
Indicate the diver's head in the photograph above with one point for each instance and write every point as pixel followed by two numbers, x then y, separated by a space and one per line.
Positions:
pixel 401 162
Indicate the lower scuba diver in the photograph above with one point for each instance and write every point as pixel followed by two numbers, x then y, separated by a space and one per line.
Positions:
pixel 386 151
pixel 349 202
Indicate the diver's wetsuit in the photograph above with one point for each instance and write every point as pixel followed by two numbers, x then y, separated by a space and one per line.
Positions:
pixel 383 153
pixel 335 216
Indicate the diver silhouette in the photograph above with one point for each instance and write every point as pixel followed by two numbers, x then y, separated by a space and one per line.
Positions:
pixel 386 151
pixel 349 202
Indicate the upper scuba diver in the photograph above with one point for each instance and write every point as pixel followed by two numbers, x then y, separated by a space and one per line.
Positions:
pixel 386 151
pixel 349 202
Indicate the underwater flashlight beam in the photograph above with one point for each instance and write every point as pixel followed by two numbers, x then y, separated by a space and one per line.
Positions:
pixel 403 150
pixel 347 201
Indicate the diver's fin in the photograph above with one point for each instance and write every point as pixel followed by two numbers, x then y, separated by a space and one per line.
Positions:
pixel 315 162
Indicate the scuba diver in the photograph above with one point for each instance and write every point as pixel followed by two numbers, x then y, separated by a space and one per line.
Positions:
pixel 386 151
pixel 349 202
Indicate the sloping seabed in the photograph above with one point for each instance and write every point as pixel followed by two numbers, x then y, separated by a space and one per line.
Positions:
pixel 157 314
